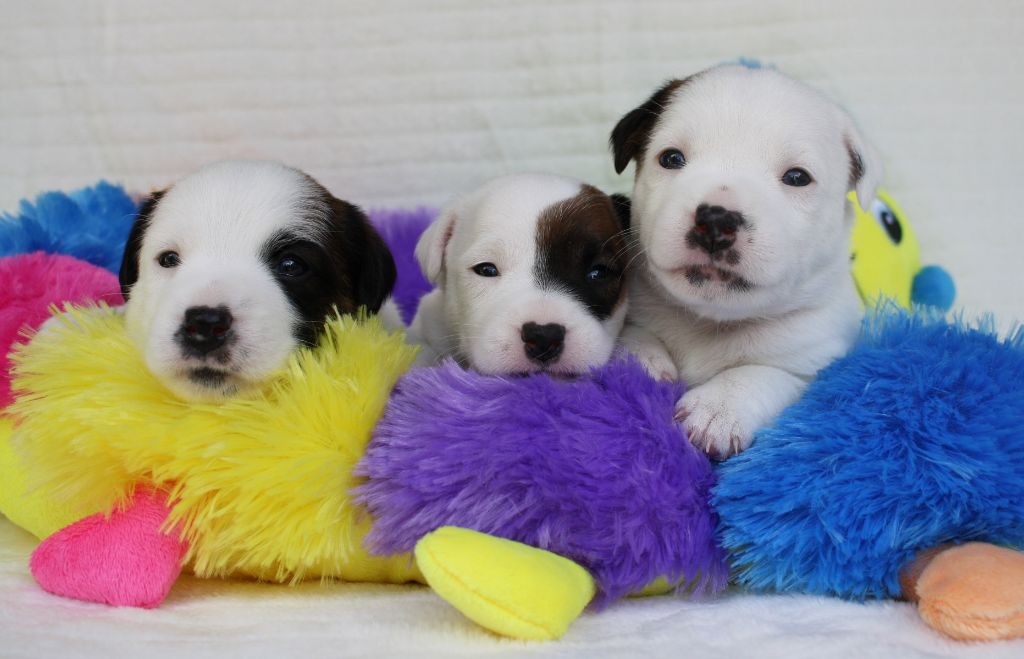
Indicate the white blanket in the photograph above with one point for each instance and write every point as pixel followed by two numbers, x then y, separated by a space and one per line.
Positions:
pixel 218 619
pixel 407 102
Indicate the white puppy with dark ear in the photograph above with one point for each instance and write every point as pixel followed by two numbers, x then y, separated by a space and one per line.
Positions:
pixel 529 274
pixel 234 266
pixel 743 285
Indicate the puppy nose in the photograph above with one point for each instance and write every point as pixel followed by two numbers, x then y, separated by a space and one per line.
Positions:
pixel 205 328
pixel 715 228
pixel 543 343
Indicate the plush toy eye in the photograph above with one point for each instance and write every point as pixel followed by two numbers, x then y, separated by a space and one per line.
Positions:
pixel 291 266
pixel 797 177
pixel 598 273
pixel 486 269
pixel 168 259
pixel 887 218
pixel 672 159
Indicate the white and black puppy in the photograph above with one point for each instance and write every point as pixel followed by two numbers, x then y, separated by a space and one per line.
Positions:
pixel 231 268
pixel 743 285
pixel 529 274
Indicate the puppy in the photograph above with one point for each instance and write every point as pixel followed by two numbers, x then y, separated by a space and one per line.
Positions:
pixel 231 268
pixel 529 274
pixel 743 285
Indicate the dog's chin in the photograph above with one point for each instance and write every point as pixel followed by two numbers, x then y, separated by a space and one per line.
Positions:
pixel 204 384
pixel 712 291
pixel 570 367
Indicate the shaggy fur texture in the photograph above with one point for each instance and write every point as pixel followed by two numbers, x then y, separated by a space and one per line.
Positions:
pixel 31 283
pixel 400 229
pixel 91 224
pixel 915 439
pixel 259 484
pixel 595 470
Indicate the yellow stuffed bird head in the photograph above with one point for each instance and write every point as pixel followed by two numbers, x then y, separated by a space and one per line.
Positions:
pixel 886 259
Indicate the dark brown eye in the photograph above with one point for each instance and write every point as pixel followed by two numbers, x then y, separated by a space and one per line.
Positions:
pixel 598 273
pixel 168 259
pixel 291 266
pixel 486 269
pixel 796 177
pixel 672 159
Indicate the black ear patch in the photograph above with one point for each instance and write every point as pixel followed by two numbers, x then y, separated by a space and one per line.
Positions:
pixel 630 136
pixel 129 272
pixel 371 267
pixel 343 265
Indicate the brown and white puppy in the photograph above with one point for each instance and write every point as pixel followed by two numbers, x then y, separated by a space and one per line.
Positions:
pixel 234 266
pixel 529 273
pixel 740 213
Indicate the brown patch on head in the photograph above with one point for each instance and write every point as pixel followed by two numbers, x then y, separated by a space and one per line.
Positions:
pixel 581 248
pixel 856 164
pixel 630 136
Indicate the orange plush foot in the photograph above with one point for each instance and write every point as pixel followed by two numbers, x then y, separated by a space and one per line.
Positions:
pixel 971 592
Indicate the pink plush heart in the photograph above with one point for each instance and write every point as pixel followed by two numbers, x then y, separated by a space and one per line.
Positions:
pixel 123 560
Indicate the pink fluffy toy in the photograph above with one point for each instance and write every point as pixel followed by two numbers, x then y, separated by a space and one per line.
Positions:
pixel 31 285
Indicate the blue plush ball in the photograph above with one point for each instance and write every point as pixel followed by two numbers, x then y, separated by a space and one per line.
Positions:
pixel 913 440
pixel 91 224
pixel 933 287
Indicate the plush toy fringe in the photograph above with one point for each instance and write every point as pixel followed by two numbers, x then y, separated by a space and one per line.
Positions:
pixel 260 483
pixel 913 440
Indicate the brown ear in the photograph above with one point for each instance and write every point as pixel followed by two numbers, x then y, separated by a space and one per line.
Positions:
pixel 629 137
pixel 129 272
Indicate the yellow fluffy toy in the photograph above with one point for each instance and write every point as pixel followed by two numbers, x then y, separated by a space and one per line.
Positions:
pixel 259 485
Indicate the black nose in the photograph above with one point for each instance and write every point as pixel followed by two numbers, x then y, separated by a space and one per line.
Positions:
pixel 715 228
pixel 543 343
pixel 205 328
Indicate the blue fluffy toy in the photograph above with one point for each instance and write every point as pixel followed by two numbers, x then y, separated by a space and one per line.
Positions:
pixel 913 440
pixel 90 224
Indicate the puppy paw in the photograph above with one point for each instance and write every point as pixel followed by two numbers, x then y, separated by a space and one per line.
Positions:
pixel 656 362
pixel 712 423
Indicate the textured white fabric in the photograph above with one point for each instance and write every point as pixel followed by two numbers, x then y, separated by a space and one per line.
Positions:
pixel 222 619
pixel 408 102
pixel 405 103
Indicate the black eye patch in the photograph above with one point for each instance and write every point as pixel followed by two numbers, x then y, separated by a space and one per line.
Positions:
pixel 311 278
pixel 581 248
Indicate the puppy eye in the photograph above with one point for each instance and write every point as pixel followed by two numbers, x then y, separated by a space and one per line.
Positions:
pixel 672 159
pixel 168 259
pixel 598 273
pixel 486 269
pixel 291 266
pixel 797 177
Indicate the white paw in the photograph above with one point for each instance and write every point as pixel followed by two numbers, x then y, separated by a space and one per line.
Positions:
pixel 713 421
pixel 656 361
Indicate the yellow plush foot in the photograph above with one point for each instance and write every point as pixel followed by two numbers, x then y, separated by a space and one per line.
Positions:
pixel 973 592
pixel 507 587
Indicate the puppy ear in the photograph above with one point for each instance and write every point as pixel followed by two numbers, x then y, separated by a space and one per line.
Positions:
pixel 629 137
pixel 372 268
pixel 129 272
pixel 432 244
pixel 623 209
pixel 864 162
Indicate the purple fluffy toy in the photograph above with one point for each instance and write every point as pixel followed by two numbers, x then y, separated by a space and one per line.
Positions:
pixel 401 230
pixel 593 469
